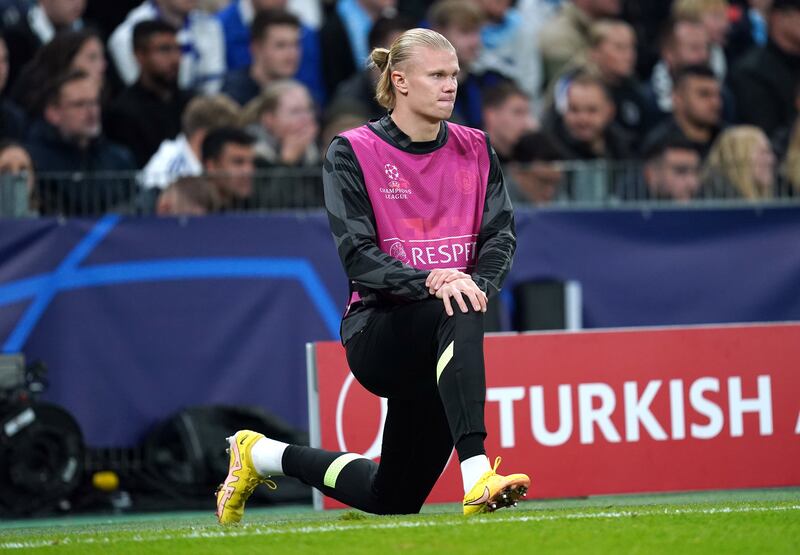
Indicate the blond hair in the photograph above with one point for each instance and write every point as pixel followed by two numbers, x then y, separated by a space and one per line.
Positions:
pixel 791 166
pixel 402 51
pixel 268 100
pixel 696 8
pixel 731 160
pixel 204 113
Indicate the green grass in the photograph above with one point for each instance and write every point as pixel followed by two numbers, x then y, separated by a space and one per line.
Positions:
pixel 752 522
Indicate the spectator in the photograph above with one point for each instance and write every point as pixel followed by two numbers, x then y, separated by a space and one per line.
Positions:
pixel 647 18
pixel 765 80
pixel 671 172
pixel 741 164
pixel 69 51
pixel 236 19
pixel 509 46
pixel 40 25
pixel 697 110
pixel 12 119
pixel 507 116
pixel 584 128
pixel 344 38
pixel 180 157
pixel 282 120
pixel 188 196
pixel 69 139
pixel 200 37
pixel 460 23
pixel 790 169
pixel 534 174
pixel 568 33
pixel 228 162
pixel 713 14
pixel 149 111
pixel 275 44
pixel 356 95
pixel 16 170
pixel 783 135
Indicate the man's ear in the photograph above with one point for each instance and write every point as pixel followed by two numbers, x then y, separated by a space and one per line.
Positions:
pixel 399 81
pixel 52 115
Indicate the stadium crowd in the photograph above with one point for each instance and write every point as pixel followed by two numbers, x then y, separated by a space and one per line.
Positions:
pixel 196 106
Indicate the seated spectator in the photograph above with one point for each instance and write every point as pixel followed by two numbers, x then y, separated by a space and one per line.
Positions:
pixel 740 165
pixel 16 170
pixel 509 46
pixel 12 119
pixel 783 135
pixel 155 94
pixel 534 173
pixel 181 156
pixel 507 116
pixel 236 19
pixel 344 42
pixel 43 21
pixel 713 14
pixel 568 33
pixel 68 139
pixel 188 196
pixel 200 37
pixel 228 163
pixel 282 120
pixel 69 51
pixel 275 45
pixel 671 172
pixel 356 95
pixel 584 128
pixel 766 79
pixel 460 23
pixel 697 111
pixel 790 169
pixel 612 56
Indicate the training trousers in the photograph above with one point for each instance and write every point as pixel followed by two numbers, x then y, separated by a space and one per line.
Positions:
pixel 430 368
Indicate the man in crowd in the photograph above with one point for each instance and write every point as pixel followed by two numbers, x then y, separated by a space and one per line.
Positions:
pixel 671 172
pixel 507 116
pixel 229 163
pixel 149 111
pixel 697 111
pixel 188 196
pixel 275 45
pixel 534 174
pixel 69 139
pixel 766 78
pixel 200 37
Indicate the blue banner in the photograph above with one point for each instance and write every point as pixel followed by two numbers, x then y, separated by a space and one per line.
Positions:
pixel 138 318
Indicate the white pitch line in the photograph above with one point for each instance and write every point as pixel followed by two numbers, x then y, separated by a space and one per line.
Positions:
pixel 259 530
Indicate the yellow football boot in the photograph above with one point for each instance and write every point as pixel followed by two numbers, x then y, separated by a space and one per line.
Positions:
pixel 242 478
pixel 494 492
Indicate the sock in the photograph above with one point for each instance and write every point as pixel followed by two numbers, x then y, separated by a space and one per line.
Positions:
pixel 267 455
pixel 472 469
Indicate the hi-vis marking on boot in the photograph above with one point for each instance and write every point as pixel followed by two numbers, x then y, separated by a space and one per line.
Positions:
pixel 481 500
pixel 231 479
pixel 444 360
pixel 336 467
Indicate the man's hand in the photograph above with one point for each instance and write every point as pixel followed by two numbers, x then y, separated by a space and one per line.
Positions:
pixel 439 277
pixel 458 289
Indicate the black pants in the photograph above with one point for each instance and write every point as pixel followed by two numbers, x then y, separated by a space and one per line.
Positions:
pixel 430 367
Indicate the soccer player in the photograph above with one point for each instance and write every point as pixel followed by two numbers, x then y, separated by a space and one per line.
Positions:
pixel 425 230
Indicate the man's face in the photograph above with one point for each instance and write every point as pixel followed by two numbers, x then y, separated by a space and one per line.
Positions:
pixel 278 52
pixel 689 47
pixel 616 55
pixel 589 112
pixel 717 25
pixel 3 65
pixel 467 43
pixel 699 100
pixel 540 181
pixel 63 12
pixel 675 175
pixel 160 58
pixel 427 84
pixel 786 23
pixel 232 171
pixel 76 114
pixel 509 121
pixel 91 58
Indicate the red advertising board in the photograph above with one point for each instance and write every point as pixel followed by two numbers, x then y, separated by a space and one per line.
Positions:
pixel 589 413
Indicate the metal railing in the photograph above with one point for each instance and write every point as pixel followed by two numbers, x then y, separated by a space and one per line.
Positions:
pixel 597 184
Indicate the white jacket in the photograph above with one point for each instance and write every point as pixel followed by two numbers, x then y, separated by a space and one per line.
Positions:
pixel 173 159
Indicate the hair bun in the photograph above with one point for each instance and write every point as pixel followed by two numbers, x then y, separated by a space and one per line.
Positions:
pixel 380 58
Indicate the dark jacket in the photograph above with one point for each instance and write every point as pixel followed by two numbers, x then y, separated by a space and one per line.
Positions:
pixel 240 86
pixel 617 146
pixel 670 130
pixel 12 121
pixel 337 54
pixel 79 183
pixel 765 82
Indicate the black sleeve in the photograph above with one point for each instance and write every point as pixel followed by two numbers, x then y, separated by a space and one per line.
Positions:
pixel 497 239
pixel 352 222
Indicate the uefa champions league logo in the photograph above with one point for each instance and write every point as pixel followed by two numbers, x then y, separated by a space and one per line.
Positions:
pixel 393 174
pixel 398 187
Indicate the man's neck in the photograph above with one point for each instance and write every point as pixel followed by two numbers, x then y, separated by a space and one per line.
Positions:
pixel 419 130
pixel 156 87
pixel 695 133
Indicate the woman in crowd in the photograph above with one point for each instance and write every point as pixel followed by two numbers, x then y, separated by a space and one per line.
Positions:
pixel 741 164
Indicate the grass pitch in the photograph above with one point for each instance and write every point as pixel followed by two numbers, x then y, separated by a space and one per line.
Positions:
pixel 757 522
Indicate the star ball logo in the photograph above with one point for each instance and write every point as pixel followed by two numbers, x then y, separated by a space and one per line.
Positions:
pixel 398 187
